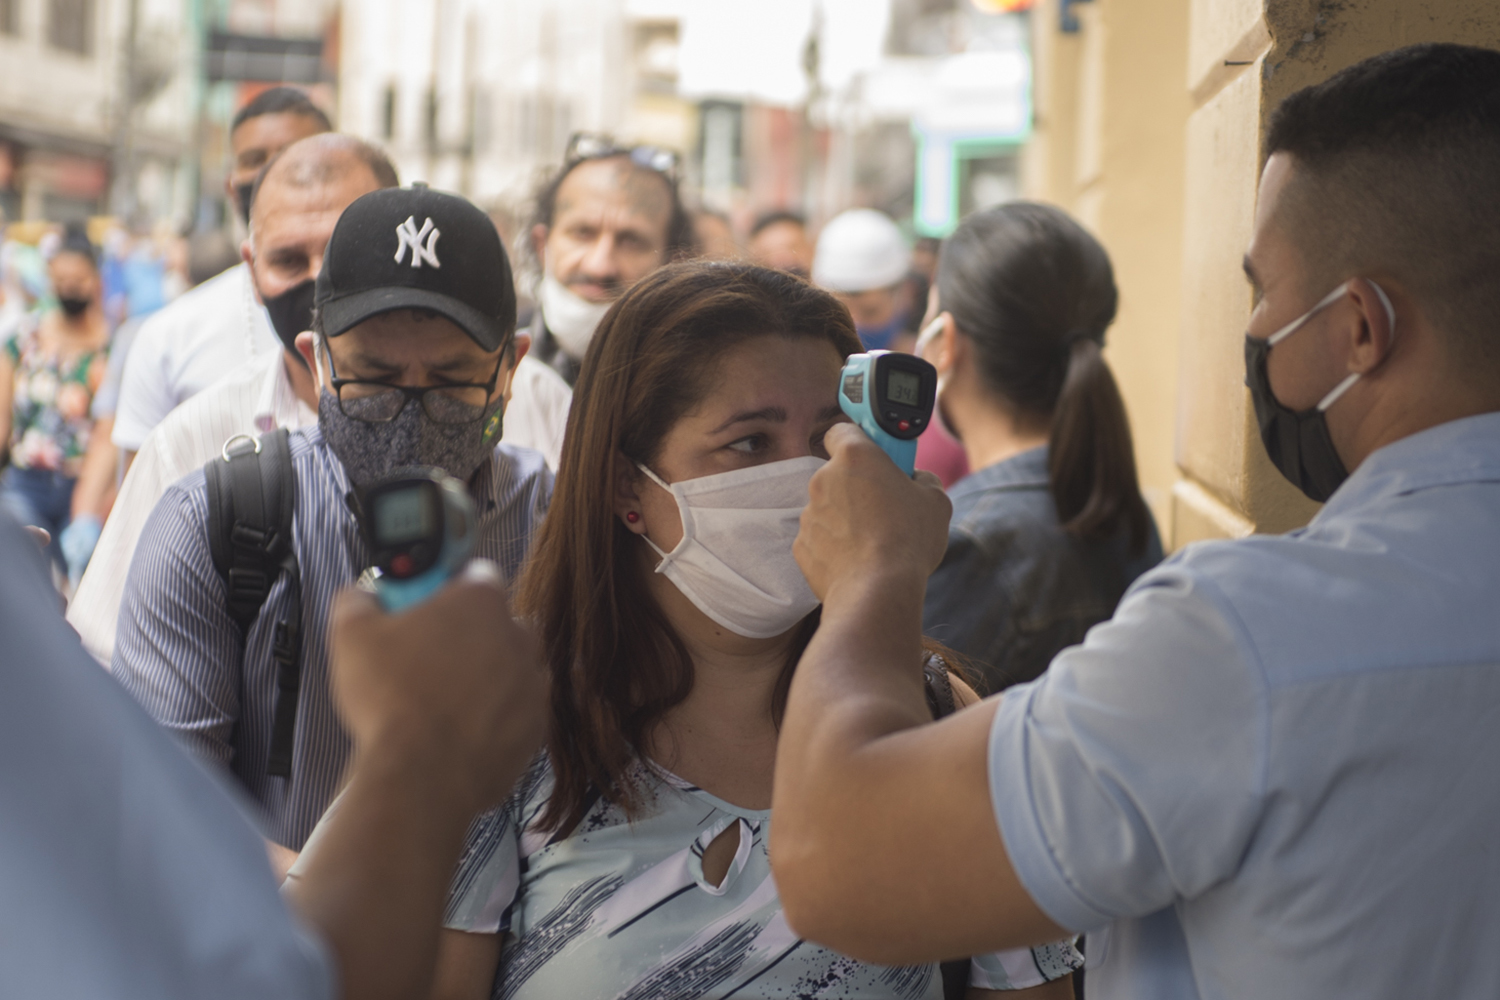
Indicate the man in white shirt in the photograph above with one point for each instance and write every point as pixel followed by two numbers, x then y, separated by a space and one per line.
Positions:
pixel 216 327
pixel 297 204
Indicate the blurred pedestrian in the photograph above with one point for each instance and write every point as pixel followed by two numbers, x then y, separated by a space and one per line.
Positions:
pixel 298 201
pixel 196 339
pixel 607 218
pixel 1050 528
pixel 779 239
pixel 863 260
pixel 715 236
pixel 50 368
pixel 412 356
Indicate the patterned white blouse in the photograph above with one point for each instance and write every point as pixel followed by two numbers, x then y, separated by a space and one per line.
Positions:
pixel 622 910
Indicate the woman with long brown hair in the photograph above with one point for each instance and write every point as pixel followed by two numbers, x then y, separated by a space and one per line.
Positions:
pixel 631 861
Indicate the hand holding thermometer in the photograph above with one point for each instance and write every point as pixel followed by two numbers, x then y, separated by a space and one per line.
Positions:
pixel 890 396
pixel 420 526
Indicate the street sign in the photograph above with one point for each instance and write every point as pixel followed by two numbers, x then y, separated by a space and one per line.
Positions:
pixel 264 59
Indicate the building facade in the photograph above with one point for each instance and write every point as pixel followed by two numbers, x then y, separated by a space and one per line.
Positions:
pixel 75 113
pixel 1149 122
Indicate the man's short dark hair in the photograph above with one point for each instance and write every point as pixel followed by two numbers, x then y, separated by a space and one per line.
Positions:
pixel 1398 173
pixel 281 101
pixel 768 219
pixel 680 239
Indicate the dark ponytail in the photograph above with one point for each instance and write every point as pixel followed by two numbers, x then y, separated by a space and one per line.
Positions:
pixel 1034 293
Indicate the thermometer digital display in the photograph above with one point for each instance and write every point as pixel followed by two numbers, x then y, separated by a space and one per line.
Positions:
pixel 890 396
pixel 419 524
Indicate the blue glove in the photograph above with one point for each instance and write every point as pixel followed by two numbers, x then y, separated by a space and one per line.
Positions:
pixel 78 540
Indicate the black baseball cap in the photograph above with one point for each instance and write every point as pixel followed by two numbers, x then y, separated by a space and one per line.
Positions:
pixel 415 248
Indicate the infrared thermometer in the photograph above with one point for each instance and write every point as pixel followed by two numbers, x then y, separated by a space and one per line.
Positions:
pixel 890 396
pixel 420 525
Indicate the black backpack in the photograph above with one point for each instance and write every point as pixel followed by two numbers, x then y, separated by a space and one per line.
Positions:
pixel 252 492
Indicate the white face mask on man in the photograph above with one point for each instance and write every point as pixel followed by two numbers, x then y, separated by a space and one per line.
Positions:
pixel 735 559
pixel 570 318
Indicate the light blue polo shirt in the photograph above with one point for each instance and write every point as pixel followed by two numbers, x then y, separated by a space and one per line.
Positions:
pixel 1276 772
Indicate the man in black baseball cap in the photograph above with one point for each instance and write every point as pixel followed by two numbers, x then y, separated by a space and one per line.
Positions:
pixel 416 311
pixel 413 347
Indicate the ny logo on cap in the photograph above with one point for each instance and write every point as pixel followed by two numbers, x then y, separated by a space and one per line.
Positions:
pixel 411 236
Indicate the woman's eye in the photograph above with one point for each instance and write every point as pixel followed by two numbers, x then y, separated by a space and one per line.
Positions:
pixel 749 445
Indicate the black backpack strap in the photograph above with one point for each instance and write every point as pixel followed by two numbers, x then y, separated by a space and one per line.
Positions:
pixel 252 493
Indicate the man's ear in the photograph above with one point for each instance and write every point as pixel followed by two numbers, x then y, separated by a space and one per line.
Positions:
pixel 304 343
pixel 1373 337
pixel 539 243
pixel 627 500
pixel 247 254
pixel 520 344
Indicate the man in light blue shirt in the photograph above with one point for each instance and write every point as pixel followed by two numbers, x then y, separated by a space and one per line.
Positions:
pixel 1271 774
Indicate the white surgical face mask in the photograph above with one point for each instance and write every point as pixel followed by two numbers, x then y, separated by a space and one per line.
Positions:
pixel 570 317
pixel 735 559
pixel 929 335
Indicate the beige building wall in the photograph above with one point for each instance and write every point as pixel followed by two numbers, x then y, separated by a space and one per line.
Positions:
pixel 1149 126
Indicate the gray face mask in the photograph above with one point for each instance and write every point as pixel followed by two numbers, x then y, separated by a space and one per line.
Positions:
pixel 370 451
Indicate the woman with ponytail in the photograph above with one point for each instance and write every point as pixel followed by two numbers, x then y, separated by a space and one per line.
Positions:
pixel 1050 528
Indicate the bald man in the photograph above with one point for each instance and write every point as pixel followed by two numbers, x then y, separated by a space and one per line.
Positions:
pixel 299 198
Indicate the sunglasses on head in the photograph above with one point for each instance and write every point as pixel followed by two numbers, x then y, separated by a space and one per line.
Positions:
pixel 593 146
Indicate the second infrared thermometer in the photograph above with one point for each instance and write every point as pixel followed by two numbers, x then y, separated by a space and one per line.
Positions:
pixel 890 396
pixel 420 525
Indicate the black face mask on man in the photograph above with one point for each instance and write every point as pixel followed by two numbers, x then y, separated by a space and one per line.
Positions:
pixel 242 194
pixel 291 313
pixel 1298 441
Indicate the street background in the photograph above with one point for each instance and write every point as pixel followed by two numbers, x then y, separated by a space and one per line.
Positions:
pixel 1142 117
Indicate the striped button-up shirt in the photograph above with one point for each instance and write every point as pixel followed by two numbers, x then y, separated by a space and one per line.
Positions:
pixel 182 656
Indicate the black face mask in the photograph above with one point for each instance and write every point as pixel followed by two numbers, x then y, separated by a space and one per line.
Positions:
pixel 1296 440
pixel 242 194
pixel 74 306
pixel 291 313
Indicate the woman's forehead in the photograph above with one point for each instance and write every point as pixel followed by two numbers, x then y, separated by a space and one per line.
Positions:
pixel 793 373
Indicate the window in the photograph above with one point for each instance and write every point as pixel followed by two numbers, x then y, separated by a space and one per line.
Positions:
pixel 70 25
pixel 430 122
pixel 388 113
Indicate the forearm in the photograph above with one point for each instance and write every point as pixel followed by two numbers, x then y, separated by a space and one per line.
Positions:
pixel 399 818
pixel 872 804
pixel 96 479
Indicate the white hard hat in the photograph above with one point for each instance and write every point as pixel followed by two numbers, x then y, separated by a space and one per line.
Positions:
pixel 859 250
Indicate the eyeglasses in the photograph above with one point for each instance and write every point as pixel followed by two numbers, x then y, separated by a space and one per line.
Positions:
pixel 595 146
pixel 381 402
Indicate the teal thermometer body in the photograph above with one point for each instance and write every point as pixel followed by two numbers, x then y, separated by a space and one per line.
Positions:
pixel 890 396
pixel 420 526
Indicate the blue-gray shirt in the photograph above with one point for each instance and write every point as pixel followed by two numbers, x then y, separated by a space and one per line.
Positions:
pixel 181 655
pixel 126 870
pixel 1273 773
pixel 1015 589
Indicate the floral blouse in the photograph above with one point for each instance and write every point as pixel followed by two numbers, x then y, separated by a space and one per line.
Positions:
pixel 51 400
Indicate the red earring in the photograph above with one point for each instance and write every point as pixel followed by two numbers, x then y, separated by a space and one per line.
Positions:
pixel 632 516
